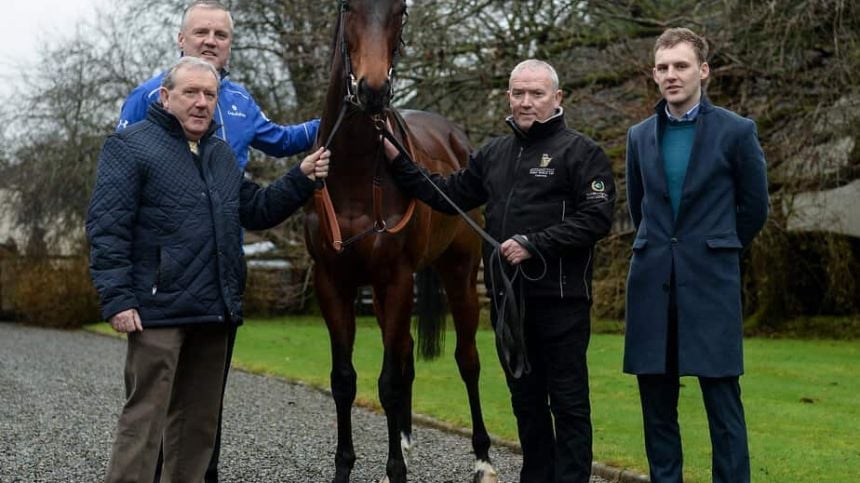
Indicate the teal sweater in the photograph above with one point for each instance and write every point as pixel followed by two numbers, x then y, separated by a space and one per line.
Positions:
pixel 676 145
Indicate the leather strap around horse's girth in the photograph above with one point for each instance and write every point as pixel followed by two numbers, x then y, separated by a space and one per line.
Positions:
pixel 328 216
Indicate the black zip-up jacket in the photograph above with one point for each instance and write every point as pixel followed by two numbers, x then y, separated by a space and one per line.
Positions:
pixel 164 223
pixel 551 184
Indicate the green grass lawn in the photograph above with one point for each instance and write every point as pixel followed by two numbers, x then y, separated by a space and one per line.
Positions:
pixel 801 397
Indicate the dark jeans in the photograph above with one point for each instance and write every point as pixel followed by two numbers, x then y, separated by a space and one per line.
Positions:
pixel 551 402
pixel 212 469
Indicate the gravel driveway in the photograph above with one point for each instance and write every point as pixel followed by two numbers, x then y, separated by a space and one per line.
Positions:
pixel 60 394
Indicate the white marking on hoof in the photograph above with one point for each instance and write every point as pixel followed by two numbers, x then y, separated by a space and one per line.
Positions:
pixel 384 479
pixel 485 473
pixel 406 448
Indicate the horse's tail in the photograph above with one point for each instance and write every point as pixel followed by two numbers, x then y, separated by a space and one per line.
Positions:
pixel 430 308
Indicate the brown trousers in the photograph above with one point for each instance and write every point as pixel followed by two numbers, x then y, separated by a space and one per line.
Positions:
pixel 173 382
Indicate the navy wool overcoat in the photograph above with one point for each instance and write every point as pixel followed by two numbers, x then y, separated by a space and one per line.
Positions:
pixel 724 203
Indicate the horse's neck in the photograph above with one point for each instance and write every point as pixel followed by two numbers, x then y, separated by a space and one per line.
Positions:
pixel 354 146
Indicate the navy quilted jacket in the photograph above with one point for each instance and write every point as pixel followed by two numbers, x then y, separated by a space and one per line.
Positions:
pixel 164 224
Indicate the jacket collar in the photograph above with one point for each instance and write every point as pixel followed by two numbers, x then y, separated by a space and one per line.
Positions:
pixel 539 129
pixel 158 115
pixel 705 106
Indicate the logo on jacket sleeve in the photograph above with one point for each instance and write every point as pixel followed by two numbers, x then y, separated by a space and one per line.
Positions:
pixel 543 171
pixel 597 191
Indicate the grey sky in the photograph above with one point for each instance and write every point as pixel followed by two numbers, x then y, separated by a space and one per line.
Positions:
pixel 28 24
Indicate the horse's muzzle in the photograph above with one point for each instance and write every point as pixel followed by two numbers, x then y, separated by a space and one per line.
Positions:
pixel 374 100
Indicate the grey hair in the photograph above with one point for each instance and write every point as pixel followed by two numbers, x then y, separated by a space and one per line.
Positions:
pixel 534 64
pixel 213 4
pixel 169 81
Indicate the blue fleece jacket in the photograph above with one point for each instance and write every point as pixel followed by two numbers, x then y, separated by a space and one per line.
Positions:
pixel 241 122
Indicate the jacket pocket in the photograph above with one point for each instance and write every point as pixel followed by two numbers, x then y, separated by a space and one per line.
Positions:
pixel 639 243
pixel 157 279
pixel 165 271
pixel 724 241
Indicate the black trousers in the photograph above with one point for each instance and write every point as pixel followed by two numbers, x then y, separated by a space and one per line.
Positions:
pixel 659 393
pixel 211 470
pixel 551 402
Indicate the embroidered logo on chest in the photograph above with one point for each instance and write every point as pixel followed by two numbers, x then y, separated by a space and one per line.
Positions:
pixel 543 170
pixel 234 111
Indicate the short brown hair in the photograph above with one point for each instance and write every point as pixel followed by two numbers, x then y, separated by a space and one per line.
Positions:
pixel 674 36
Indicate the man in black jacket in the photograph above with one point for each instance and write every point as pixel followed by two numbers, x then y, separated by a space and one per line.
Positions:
pixel 165 228
pixel 549 196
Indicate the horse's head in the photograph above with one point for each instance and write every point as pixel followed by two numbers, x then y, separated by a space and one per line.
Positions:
pixel 371 40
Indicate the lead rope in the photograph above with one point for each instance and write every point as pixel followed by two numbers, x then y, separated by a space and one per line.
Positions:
pixel 508 303
pixel 322 199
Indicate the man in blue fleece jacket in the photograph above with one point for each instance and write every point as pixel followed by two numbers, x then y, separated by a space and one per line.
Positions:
pixel 207 33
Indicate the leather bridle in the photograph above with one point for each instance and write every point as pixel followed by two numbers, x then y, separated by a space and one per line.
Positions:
pixel 324 205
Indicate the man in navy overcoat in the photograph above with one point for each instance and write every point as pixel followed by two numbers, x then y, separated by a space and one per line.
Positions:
pixel 697 192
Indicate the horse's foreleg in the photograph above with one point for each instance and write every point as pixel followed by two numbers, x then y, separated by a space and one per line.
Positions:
pixel 337 305
pixel 404 418
pixel 398 373
pixel 343 388
pixel 459 280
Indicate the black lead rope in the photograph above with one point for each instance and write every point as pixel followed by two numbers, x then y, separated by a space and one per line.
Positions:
pixel 509 304
pixel 320 183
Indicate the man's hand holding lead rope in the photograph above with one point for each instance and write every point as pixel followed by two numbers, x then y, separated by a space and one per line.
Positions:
pixel 513 252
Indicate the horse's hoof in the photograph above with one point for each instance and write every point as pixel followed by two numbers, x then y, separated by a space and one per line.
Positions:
pixel 341 476
pixel 485 473
pixel 384 479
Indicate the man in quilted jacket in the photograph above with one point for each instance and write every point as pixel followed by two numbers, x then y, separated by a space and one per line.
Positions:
pixel 165 225
pixel 207 32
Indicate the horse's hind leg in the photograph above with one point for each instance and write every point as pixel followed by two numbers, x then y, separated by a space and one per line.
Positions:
pixel 394 308
pixel 337 305
pixel 458 272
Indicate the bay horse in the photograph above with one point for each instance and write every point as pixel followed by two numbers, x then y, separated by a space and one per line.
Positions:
pixel 388 236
